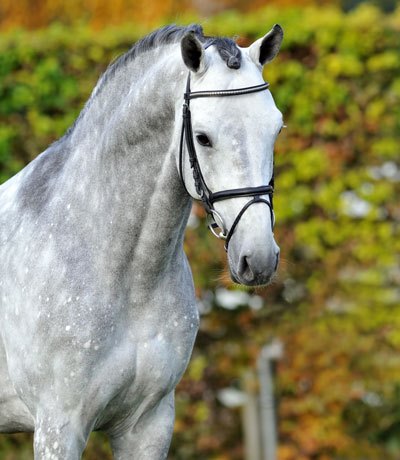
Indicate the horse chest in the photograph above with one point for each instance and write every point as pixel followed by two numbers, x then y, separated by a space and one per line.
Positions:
pixel 157 353
pixel 146 365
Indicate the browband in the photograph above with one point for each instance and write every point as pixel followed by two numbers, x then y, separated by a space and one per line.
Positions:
pixel 226 92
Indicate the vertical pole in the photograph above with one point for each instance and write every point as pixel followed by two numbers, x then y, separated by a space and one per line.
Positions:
pixel 250 418
pixel 269 353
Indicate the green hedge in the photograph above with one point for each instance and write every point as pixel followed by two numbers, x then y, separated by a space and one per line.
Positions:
pixel 336 303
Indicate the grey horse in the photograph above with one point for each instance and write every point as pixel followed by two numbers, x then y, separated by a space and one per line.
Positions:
pixel 97 308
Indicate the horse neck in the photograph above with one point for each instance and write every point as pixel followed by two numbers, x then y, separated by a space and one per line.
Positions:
pixel 124 143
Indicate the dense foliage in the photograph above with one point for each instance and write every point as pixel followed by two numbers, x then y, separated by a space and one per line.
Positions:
pixel 35 14
pixel 336 302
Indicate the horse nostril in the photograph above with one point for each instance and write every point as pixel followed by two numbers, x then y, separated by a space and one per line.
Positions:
pixel 245 268
pixel 255 270
pixel 277 260
pixel 243 264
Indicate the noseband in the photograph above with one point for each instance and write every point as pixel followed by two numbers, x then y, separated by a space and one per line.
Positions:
pixel 207 196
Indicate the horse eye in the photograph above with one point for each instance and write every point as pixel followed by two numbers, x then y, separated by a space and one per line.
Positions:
pixel 203 140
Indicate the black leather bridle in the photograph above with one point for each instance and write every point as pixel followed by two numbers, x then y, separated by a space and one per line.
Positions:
pixel 207 196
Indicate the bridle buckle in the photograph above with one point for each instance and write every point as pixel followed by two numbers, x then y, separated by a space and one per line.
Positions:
pixel 214 222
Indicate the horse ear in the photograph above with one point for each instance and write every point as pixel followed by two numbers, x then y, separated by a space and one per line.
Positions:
pixel 192 51
pixel 266 48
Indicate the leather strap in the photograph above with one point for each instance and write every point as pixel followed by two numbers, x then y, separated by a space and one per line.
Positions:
pixel 226 92
pixel 242 211
pixel 246 191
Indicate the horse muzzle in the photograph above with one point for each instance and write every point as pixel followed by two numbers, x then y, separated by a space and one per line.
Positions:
pixel 253 264
pixel 255 268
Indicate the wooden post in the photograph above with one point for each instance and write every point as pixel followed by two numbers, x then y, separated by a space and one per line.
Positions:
pixel 251 418
pixel 269 354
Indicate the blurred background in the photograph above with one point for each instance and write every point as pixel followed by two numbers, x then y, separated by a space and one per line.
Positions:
pixel 335 304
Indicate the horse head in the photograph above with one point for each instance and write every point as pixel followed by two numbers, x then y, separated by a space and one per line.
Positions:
pixel 230 124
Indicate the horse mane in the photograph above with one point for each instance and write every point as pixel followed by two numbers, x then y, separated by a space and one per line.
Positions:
pixel 167 35
pixel 170 34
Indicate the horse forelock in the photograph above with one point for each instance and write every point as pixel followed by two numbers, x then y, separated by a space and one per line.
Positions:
pixel 228 51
